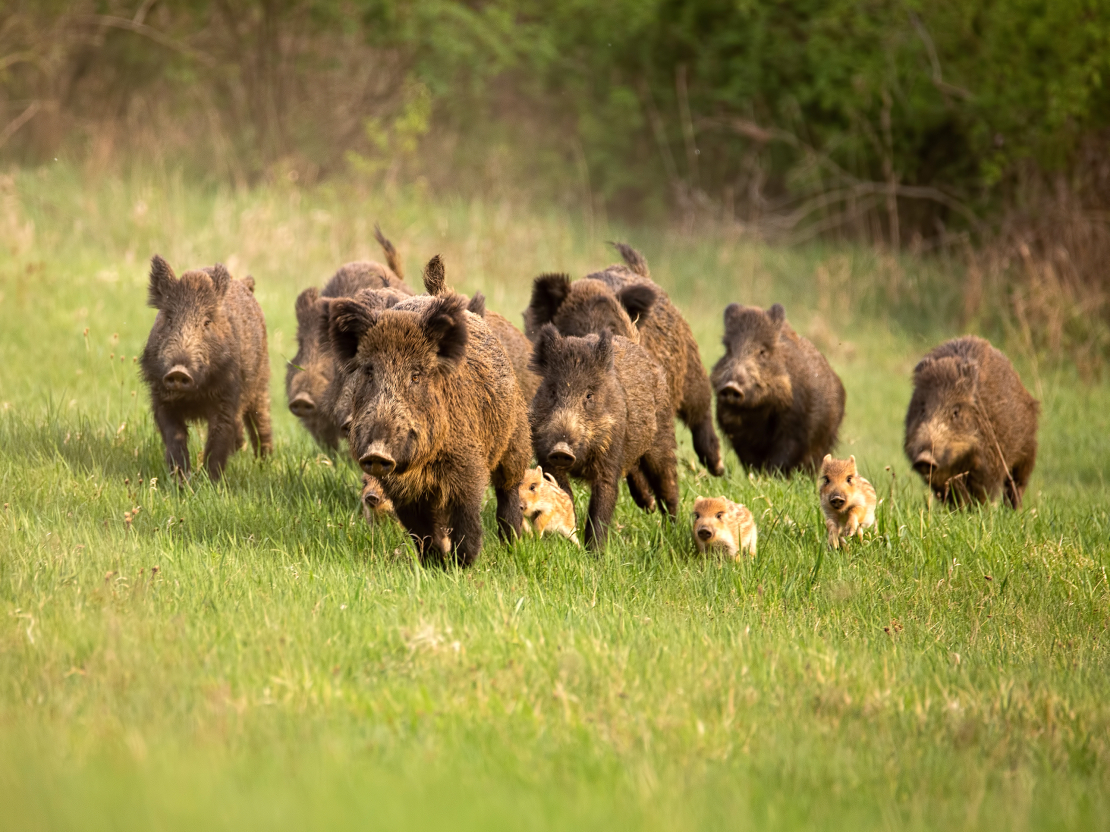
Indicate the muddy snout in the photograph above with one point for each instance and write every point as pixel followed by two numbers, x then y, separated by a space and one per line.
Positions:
pixel 377 461
pixel 302 405
pixel 561 456
pixel 178 379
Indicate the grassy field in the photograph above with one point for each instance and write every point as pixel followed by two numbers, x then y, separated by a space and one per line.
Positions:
pixel 252 655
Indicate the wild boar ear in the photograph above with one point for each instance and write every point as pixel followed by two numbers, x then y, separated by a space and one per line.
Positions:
pixel 637 299
pixel 545 342
pixel 777 315
pixel 306 305
pixel 445 327
pixel 248 281
pixel 435 277
pixel 477 304
pixel 539 471
pixel 221 279
pixel 604 348
pixel 162 280
pixel 549 291
pixel 348 320
pixel 733 313
pixel 826 460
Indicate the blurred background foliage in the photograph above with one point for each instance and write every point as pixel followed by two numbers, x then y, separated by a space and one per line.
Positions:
pixel 978 128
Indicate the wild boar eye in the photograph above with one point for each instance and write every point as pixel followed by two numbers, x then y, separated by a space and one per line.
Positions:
pixel 590 396
pixel 532 487
pixel 720 515
pixel 825 480
pixel 848 480
pixel 415 378
pixel 956 412
pixel 208 322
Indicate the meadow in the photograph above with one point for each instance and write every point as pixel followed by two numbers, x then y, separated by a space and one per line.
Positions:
pixel 253 655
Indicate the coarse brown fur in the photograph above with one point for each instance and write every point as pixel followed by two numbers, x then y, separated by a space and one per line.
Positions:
pixel 437 415
pixel 847 500
pixel 309 374
pixel 512 339
pixel 722 524
pixel 778 401
pixel 546 506
pixel 971 426
pixel 602 412
pixel 206 360
pixel 624 300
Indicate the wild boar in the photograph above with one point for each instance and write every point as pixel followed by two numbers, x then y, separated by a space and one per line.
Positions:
pixel 778 401
pixel 624 300
pixel 437 415
pixel 722 524
pixel 601 413
pixel 206 360
pixel 848 500
pixel 375 505
pixel 971 427
pixel 310 372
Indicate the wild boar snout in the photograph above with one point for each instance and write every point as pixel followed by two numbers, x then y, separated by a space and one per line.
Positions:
pixel 178 378
pixel 705 533
pixel 302 405
pixel 561 456
pixel 377 461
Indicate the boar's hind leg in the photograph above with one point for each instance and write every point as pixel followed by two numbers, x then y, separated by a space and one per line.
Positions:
pixel 225 435
pixel 640 490
pixel 697 412
pixel 510 520
pixel 603 499
pixel 659 468
pixel 257 417
pixel 175 436
pixel 1014 488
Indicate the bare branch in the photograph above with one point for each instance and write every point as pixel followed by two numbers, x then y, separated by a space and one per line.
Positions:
pixel 19 121
pixel 148 32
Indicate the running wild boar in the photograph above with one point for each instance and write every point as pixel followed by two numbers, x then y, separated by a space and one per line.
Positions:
pixel 602 412
pixel 624 300
pixel 436 416
pixel 971 427
pixel 206 360
pixel 778 400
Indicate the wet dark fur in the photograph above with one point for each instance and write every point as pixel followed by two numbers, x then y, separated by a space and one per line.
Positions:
pixel 212 326
pixel 607 399
pixel 778 401
pixel 312 369
pixel 431 388
pixel 625 301
pixel 971 426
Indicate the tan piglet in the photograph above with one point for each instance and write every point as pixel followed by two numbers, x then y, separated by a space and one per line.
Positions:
pixel 722 524
pixel 847 499
pixel 546 506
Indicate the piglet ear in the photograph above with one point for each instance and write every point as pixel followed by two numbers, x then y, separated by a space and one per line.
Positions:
pixel 777 314
pixel 549 291
pixel 546 343
pixel 445 327
pixel 551 479
pixel 637 300
pixel 221 279
pixel 435 277
pixel 477 304
pixel 852 461
pixel 604 348
pixel 348 321
pixel 162 280
pixel 306 306
pixel 826 460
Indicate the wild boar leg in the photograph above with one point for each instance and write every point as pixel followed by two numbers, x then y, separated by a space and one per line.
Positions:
pixel 640 490
pixel 509 517
pixel 659 467
pixel 225 434
pixel 257 418
pixel 466 534
pixel 175 436
pixel 697 413
pixel 603 500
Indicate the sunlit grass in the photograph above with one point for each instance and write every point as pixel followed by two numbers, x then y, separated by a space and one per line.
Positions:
pixel 253 655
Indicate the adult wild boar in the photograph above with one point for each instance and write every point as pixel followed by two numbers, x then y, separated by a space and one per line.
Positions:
pixel 206 360
pixel 436 416
pixel 603 412
pixel 778 401
pixel 624 300
pixel 312 369
pixel 971 427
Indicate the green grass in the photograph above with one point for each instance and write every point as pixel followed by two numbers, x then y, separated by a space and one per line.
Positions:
pixel 253 655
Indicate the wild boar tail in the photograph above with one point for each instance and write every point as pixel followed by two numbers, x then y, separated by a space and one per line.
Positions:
pixel 632 258
pixel 392 258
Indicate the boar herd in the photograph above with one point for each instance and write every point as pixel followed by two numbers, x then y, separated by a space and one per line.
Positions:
pixel 438 398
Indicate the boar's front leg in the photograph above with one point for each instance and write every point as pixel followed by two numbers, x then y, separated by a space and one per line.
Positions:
pixel 510 520
pixel 175 436
pixel 640 490
pixel 603 500
pixel 225 435
pixel 466 530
